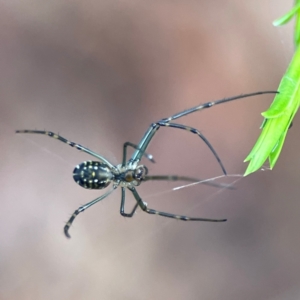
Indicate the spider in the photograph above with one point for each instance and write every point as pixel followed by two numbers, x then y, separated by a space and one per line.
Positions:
pixel 130 174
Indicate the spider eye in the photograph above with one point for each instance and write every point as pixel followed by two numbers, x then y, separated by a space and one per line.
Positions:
pixel 140 173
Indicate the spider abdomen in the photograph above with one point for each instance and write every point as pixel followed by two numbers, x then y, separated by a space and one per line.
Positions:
pixel 92 175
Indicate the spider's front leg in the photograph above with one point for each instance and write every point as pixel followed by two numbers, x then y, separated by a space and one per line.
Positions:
pixel 197 132
pixel 70 143
pixel 149 134
pixel 142 146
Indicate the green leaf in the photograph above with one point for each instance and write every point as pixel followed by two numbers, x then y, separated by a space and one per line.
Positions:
pixel 277 119
pixel 287 17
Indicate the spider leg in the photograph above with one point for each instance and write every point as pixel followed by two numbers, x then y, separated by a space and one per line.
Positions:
pixel 72 144
pixel 144 207
pixel 190 179
pixel 149 134
pixel 83 208
pixel 130 215
pixel 148 156
pixel 195 131
pixel 213 103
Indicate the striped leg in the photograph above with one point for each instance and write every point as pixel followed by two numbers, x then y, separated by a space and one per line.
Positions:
pixel 72 144
pixel 149 134
pixel 213 103
pixel 83 208
pixel 144 207
pixel 195 131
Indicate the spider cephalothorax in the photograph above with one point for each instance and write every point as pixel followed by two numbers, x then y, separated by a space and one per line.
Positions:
pixel 134 176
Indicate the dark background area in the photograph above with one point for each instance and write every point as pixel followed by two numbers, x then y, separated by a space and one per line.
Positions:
pixel 98 73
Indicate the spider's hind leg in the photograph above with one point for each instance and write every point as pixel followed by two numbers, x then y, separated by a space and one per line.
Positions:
pixel 83 208
pixel 144 207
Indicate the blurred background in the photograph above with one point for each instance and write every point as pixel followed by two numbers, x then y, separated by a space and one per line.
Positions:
pixel 99 72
